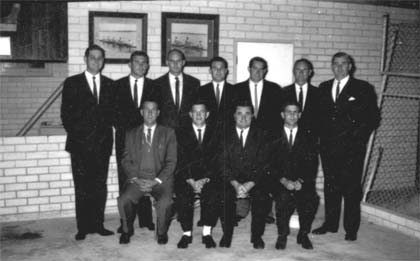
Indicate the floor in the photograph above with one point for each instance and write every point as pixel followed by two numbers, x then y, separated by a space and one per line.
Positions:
pixel 53 239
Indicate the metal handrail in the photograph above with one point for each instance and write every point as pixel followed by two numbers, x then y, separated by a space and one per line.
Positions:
pixel 41 110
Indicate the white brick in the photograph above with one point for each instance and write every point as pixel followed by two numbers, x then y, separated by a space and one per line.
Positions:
pixel 8 211
pixel 48 162
pixel 49 192
pixel 26 163
pixel 37 170
pixel 9 148
pixel 67 191
pixel 7 164
pixel 36 201
pixel 15 172
pixel 14 156
pixel 15 202
pixel 14 140
pixel 13 187
pixel 66 176
pixel 7 195
pixel 49 177
pixel 25 148
pixel 36 155
pixel 59 199
pixel 36 139
pixel 49 207
pixel 58 154
pixel 59 184
pixel 28 178
pixel 28 209
pixel 67 206
pixel 7 180
pixel 59 169
pixel 27 193
pixel 47 147
pixel 57 138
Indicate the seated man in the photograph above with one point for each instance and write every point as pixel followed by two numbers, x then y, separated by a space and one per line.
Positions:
pixel 149 161
pixel 197 148
pixel 294 167
pixel 244 173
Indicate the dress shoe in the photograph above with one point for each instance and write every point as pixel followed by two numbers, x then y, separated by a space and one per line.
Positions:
pixel 281 242
pixel 125 238
pixel 258 243
pixel 150 226
pixel 303 239
pixel 351 237
pixel 269 220
pixel 200 223
pixel 162 239
pixel 119 230
pixel 322 230
pixel 185 240
pixel 208 241
pixel 226 241
pixel 104 232
pixel 80 236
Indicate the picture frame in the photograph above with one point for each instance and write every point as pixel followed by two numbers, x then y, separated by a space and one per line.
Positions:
pixel 197 35
pixel 119 34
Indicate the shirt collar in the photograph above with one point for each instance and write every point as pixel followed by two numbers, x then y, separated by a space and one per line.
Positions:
pixel 203 128
pixel 133 79
pixel 287 130
pixel 172 77
pixel 147 127
pixel 304 87
pixel 89 75
pixel 343 81
pixel 259 84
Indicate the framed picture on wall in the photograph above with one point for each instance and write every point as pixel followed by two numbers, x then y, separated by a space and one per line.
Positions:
pixel 118 33
pixel 197 35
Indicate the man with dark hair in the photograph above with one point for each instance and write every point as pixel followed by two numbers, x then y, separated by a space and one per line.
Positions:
pixel 243 169
pixel 348 115
pixel 176 90
pixel 294 166
pixel 87 115
pixel 219 95
pixel 131 91
pixel 149 161
pixel 196 174
pixel 305 94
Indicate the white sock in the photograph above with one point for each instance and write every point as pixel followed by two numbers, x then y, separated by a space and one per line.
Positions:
pixel 206 230
pixel 187 233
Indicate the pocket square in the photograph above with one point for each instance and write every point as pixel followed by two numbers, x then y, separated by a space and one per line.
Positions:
pixel 352 98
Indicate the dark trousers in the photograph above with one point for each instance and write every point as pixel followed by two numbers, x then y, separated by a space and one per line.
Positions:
pixel 90 173
pixel 130 197
pixel 144 207
pixel 342 179
pixel 185 198
pixel 305 201
pixel 261 203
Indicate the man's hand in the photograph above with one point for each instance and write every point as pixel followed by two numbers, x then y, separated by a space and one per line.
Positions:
pixel 146 185
pixel 298 185
pixel 289 185
pixel 200 184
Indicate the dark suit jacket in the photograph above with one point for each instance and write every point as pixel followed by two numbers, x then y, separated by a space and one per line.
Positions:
pixel 222 114
pixel 88 124
pixel 347 124
pixel 244 164
pixel 298 162
pixel 126 114
pixel 169 114
pixel 164 148
pixel 268 117
pixel 310 114
pixel 196 161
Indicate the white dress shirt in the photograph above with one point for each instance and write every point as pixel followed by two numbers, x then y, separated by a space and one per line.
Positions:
pixel 140 85
pixel 89 78
pixel 304 93
pixel 244 134
pixel 343 83
pixel 196 128
pixel 152 131
pixel 221 85
pixel 294 131
pixel 172 81
pixel 259 92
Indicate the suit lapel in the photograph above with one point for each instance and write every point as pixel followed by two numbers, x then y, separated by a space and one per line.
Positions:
pixel 86 88
pixel 344 91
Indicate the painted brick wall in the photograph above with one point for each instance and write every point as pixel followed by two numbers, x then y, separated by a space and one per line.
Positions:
pixel 317 30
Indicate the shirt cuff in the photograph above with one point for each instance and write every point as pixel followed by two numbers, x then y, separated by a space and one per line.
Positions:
pixel 158 180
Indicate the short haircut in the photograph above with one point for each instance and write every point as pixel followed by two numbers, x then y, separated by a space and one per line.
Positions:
pixel 258 59
pixel 94 47
pixel 244 103
pixel 199 101
pixel 290 103
pixel 342 54
pixel 176 51
pixel 139 53
pixel 219 59
pixel 308 63
pixel 150 100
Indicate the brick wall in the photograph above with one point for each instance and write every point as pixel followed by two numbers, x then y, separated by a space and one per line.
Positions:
pixel 36 179
pixel 317 30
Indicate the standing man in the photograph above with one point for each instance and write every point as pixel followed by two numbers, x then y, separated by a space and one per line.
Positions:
pixel 305 94
pixel 219 95
pixel 294 164
pixel 131 91
pixel 149 161
pixel 177 91
pixel 265 96
pixel 87 116
pixel 244 171
pixel 348 114
pixel 196 175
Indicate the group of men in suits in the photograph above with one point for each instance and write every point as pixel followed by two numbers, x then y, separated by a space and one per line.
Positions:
pixel 218 143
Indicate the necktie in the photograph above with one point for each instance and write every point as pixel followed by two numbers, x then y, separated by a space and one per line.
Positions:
pixel 149 136
pixel 199 136
pixel 218 95
pixel 300 101
pixel 136 95
pixel 291 139
pixel 256 101
pixel 241 138
pixel 337 91
pixel 95 91
pixel 177 93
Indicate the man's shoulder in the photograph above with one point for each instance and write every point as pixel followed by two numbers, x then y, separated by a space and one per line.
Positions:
pixel 122 80
pixel 242 84
pixel 271 84
pixel 326 84
pixel 106 79
pixel 161 79
pixel 76 77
